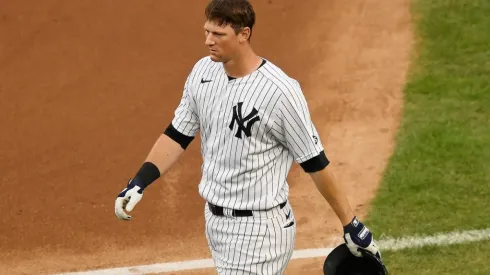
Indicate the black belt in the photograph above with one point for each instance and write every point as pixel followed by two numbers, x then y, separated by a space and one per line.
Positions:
pixel 219 211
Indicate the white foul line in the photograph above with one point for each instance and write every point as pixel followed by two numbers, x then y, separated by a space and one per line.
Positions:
pixel 443 239
pixel 385 244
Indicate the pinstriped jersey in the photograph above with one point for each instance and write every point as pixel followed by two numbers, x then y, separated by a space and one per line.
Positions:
pixel 252 129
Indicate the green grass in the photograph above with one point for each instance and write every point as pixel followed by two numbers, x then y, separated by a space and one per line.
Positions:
pixel 456 259
pixel 438 178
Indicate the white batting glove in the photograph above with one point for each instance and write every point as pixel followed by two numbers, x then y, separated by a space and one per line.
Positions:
pixel 357 236
pixel 127 200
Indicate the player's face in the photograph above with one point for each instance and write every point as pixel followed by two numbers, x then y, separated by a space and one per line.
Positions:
pixel 222 41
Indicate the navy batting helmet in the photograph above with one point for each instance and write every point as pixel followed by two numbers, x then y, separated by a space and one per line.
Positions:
pixel 342 262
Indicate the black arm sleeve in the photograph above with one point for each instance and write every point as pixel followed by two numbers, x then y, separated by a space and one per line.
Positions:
pixel 316 163
pixel 178 137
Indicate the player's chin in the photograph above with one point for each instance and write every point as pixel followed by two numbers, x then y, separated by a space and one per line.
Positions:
pixel 215 58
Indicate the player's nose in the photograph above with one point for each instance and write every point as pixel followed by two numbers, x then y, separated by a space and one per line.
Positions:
pixel 209 41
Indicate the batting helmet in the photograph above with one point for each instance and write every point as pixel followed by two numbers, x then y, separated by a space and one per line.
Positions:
pixel 342 262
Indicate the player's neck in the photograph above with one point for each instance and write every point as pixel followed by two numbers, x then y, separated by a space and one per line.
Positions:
pixel 244 64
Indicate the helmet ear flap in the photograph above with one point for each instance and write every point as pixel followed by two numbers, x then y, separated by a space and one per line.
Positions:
pixel 342 262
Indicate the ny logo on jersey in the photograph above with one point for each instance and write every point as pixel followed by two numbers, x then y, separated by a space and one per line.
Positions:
pixel 240 120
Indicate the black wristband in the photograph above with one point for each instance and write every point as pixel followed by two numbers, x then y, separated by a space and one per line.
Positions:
pixel 147 174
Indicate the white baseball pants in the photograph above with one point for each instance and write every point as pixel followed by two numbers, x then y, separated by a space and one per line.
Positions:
pixel 261 245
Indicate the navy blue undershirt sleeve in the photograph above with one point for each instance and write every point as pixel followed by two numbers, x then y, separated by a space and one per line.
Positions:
pixel 178 137
pixel 316 163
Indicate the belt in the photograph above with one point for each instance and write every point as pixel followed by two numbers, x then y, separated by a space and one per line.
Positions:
pixel 219 211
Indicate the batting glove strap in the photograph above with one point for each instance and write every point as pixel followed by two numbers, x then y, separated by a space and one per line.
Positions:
pixel 132 184
pixel 357 236
pixel 360 234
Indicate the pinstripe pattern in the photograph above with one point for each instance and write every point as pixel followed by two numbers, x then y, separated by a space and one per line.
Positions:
pixel 248 173
pixel 258 245
pixel 246 167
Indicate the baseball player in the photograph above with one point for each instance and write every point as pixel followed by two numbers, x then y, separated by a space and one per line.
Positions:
pixel 254 122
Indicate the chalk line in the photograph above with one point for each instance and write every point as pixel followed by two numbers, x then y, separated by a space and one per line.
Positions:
pixel 385 244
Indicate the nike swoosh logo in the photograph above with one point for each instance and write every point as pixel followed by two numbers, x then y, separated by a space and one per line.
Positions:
pixel 289 224
pixel 288 215
pixel 205 81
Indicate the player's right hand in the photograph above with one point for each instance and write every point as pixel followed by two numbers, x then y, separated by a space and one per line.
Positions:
pixel 127 200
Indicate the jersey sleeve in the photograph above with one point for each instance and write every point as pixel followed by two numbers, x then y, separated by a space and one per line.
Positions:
pixel 296 131
pixel 186 119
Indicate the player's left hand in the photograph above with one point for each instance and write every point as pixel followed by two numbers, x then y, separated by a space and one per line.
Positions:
pixel 357 236
pixel 127 200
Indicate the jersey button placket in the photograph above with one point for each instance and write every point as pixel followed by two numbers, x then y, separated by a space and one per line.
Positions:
pixel 226 96
pixel 225 99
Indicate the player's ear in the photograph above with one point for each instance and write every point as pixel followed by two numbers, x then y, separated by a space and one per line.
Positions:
pixel 244 34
